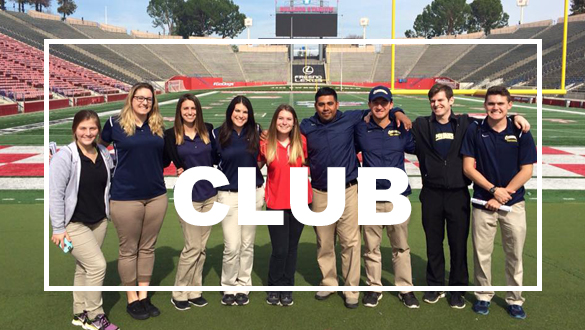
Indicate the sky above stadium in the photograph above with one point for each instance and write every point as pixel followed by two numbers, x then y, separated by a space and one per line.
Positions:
pixel 132 14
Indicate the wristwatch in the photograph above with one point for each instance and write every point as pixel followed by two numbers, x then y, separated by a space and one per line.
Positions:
pixel 493 190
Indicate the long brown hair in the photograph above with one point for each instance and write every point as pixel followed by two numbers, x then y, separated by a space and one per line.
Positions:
pixel 84 115
pixel 225 130
pixel 296 142
pixel 199 124
pixel 127 118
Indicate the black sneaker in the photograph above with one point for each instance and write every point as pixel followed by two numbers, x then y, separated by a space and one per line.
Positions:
pixel 228 300
pixel 80 319
pixel 198 302
pixel 181 305
pixel 242 299
pixel 286 298
pixel 431 297
pixel 456 300
pixel 149 307
pixel 371 299
pixel 273 298
pixel 137 311
pixel 409 300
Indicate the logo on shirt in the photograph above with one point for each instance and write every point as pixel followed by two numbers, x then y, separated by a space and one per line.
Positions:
pixel 511 138
pixel 443 136
pixel 393 133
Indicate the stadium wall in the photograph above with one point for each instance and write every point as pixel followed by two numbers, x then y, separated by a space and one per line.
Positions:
pixel 39 105
pixel 79 101
pixel 195 83
pixel 8 109
pixel 115 97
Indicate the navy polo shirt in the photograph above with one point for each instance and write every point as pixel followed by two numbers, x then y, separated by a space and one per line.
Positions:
pixel 384 147
pixel 444 135
pixel 233 156
pixel 139 166
pixel 194 152
pixel 498 156
pixel 331 144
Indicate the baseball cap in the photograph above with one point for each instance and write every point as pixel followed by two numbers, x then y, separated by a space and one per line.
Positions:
pixel 380 91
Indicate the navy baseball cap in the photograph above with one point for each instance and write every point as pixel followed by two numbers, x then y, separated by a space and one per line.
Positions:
pixel 380 91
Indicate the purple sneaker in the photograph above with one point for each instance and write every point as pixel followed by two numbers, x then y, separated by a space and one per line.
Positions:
pixel 101 322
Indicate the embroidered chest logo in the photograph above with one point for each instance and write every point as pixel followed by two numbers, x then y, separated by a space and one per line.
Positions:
pixel 511 138
pixel 394 132
pixel 443 136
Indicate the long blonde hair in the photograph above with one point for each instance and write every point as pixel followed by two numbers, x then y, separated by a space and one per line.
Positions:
pixel 199 124
pixel 296 142
pixel 127 118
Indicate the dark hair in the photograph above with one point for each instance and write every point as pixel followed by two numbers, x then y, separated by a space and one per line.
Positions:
pixel 324 91
pixel 225 130
pixel 440 88
pixel 199 124
pixel 498 90
pixel 83 115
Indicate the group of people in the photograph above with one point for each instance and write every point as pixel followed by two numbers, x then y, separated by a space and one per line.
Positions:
pixel 88 186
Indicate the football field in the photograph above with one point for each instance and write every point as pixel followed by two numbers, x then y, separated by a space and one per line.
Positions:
pixel 563 269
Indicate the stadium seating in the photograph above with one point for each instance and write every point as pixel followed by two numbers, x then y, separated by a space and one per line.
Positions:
pixel 182 59
pixel 436 58
pixel 221 61
pixel 406 58
pixel 355 67
pixel 264 66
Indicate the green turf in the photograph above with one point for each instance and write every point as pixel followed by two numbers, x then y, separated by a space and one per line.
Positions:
pixel 559 127
pixel 556 307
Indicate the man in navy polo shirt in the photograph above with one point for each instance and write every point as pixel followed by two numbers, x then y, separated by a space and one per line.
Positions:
pixel 504 158
pixel 330 143
pixel 383 144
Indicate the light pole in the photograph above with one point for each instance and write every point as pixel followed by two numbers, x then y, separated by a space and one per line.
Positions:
pixel 364 21
pixel 522 4
pixel 248 24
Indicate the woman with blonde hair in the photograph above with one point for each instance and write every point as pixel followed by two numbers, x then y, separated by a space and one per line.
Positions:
pixel 189 144
pixel 79 189
pixel 284 147
pixel 138 195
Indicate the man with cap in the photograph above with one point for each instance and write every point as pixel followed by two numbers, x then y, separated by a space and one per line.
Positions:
pixel 383 144
pixel 330 143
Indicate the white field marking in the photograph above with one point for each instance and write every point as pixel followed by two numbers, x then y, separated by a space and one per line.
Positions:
pixel 39 199
pixel 563 159
pixel 7 199
pixel 516 105
pixel 568 199
pixel 263 115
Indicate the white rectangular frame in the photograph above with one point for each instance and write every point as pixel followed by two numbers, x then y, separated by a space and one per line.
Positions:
pixel 537 42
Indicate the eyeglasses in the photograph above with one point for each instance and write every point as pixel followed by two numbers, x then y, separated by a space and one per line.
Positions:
pixel 142 98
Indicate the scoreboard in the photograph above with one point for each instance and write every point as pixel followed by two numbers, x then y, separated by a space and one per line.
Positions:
pixel 306 21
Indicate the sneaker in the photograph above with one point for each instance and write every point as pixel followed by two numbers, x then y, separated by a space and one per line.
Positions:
pixel 371 299
pixel 198 302
pixel 456 300
pixel 80 319
pixel 228 300
pixel 351 303
pixel 137 311
pixel 242 299
pixel 181 305
pixel 481 307
pixel 149 307
pixel 101 322
pixel 516 311
pixel 409 300
pixel 322 295
pixel 286 299
pixel 273 298
pixel 432 297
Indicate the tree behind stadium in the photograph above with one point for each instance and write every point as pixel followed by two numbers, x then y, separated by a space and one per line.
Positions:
pixel 66 7
pixel 197 17
pixel 577 7
pixel 450 17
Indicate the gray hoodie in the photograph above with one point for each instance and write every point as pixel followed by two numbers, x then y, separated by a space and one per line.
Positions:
pixel 64 172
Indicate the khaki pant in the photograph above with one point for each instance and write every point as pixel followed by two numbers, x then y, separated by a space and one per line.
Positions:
pixel 398 235
pixel 513 228
pixel 138 224
pixel 238 251
pixel 347 229
pixel 90 265
pixel 190 268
